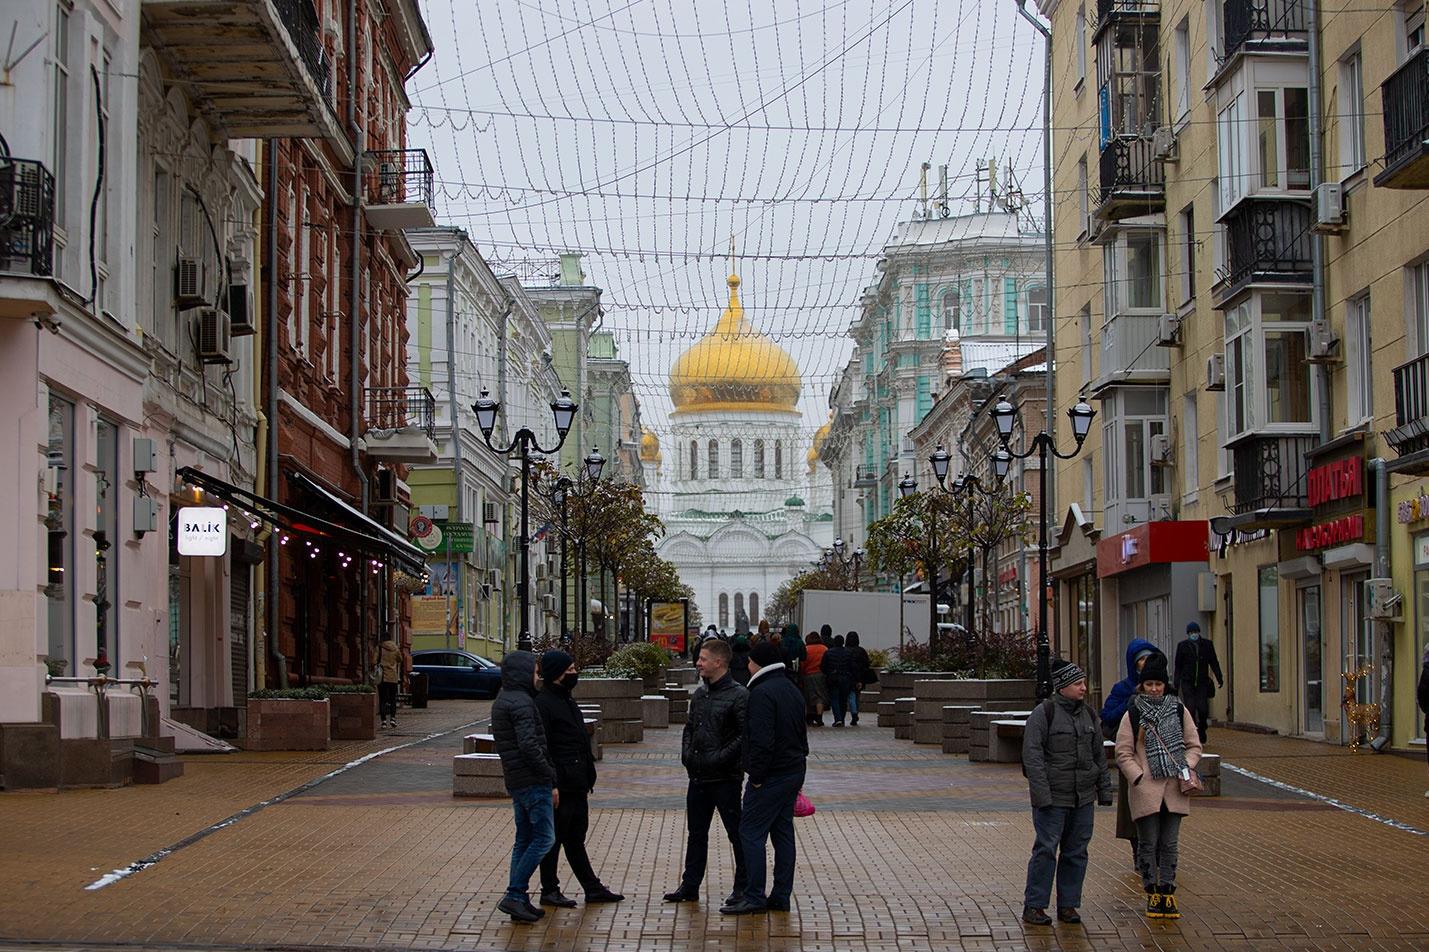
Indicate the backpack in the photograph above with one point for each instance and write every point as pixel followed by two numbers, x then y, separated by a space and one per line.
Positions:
pixel 1046 710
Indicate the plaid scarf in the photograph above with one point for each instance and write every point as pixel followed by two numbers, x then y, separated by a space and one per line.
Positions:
pixel 1161 735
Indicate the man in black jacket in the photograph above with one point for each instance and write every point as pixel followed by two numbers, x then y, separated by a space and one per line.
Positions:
pixel 530 778
pixel 575 779
pixel 1196 661
pixel 776 748
pixel 712 750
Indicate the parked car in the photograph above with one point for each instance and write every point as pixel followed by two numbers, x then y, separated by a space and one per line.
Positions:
pixel 457 673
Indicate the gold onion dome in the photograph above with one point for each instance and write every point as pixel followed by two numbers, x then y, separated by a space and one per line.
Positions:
pixel 734 367
pixel 649 447
pixel 821 434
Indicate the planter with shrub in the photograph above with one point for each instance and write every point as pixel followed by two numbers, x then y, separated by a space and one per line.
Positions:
pixel 644 660
pixel 288 719
pixel 353 711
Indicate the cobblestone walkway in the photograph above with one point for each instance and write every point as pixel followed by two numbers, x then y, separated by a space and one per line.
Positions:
pixel 910 850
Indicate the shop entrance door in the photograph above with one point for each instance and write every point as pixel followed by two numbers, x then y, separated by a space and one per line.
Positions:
pixel 1312 659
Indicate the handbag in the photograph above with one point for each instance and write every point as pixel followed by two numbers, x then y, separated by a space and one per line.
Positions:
pixel 803 806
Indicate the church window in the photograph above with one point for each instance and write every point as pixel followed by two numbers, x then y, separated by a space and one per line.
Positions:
pixel 952 310
pixel 778 459
pixel 758 459
pixel 739 610
pixel 736 459
pixel 714 459
pixel 753 610
pixel 723 610
pixel 694 460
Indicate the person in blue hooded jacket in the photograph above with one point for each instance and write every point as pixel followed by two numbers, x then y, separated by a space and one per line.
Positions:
pixel 1112 712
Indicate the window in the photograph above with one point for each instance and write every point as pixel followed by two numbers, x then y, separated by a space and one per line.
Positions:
pixel 1351 93
pixel 1088 484
pixel 736 459
pixel 1412 35
pixel 162 267
pixel 1215 41
pixel 1084 322
pixel 1133 273
pixel 1037 310
pixel 1181 72
pixel 951 306
pixel 723 610
pixel 59 159
pixel 1269 578
pixel 1240 367
pixel 1009 306
pixel 1282 135
pixel 1416 299
pixel 1358 361
pixel 713 463
pixel 1218 236
pixel 1267 374
pixel 59 528
pixel 102 221
pixel 1190 446
pixel 753 609
pixel 1084 198
pixel 1129 81
pixel 107 485
pixel 778 459
pixel 1230 154
pixel 694 459
pixel 334 308
pixel 1135 416
pixel 758 459
pixel 1081 48
pixel 1188 253
pixel 741 621
pixel 923 397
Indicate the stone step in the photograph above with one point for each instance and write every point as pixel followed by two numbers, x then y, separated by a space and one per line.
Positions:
pixel 959 713
pixel 476 765
pixel 622 731
pixel 927 732
pixel 489 788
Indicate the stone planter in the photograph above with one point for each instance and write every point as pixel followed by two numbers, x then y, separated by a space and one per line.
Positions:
pixel 656 680
pixel 283 724
pixel 353 716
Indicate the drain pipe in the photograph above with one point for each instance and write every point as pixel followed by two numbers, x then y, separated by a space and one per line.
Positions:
pixel 272 586
pixel 1317 241
pixel 354 429
pixel 454 423
pixel 1384 628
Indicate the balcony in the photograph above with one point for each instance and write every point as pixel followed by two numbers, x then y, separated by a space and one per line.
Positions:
pixel 1269 477
pixel 865 476
pixel 1114 11
pixel 1405 96
pixel 254 68
pixel 1410 436
pixel 27 213
pixel 1129 354
pixel 400 186
pixel 1265 26
pixel 401 424
pixel 1133 179
pixel 1268 242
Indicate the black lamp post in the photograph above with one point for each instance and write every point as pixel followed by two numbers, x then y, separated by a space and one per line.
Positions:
pixel 856 560
pixel 964 486
pixel 1005 416
pixel 558 496
pixel 907 486
pixel 559 493
pixel 563 409
pixel 593 464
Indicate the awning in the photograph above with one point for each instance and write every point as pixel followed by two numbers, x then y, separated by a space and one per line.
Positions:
pixel 349 527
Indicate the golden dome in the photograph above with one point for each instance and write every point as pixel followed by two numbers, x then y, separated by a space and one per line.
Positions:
pixel 649 447
pixel 734 367
pixel 821 434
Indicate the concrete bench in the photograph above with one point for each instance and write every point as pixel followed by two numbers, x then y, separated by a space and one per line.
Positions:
pixel 984 742
pixel 655 710
pixel 478 744
pixel 477 775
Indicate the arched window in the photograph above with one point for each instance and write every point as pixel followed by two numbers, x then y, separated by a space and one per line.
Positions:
pixel 694 459
pixel 952 307
pixel 736 459
pixel 714 459
pixel 1037 309
pixel 778 459
pixel 723 610
pixel 753 610
pixel 758 459
pixel 738 606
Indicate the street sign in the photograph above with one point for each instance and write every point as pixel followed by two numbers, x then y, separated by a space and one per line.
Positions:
pixel 458 535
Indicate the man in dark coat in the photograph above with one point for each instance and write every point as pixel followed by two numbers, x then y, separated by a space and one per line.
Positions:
pixel 575 779
pixel 776 749
pixel 1423 692
pixel 712 750
pixel 839 676
pixel 1196 661
pixel 1067 777
pixel 530 778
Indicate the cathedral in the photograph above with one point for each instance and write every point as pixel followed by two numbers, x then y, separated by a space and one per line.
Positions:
pixel 744 501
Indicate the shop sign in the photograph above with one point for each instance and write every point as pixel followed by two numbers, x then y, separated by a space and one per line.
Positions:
pixel 1413 510
pixel 203 530
pixel 1332 482
pixel 1007 576
pixel 1340 531
pixel 1421 551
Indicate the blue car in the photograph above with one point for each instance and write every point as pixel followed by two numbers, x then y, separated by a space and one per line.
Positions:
pixel 457 673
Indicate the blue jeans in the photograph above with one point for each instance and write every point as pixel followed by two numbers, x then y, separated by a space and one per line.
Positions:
pixel 1061 848
pixel 769 815
pixel 535 835
pixel 839 693
pixel 853 702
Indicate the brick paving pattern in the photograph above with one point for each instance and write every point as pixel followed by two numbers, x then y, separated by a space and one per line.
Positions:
pixel 910 849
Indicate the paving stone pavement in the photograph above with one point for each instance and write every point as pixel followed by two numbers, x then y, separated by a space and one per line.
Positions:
pixel 910 850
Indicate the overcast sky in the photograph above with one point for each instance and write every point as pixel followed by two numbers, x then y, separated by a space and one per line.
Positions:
pixel 645 133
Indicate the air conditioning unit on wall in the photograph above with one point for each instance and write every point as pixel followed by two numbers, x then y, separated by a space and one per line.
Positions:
pixel 1384 602
pixel 190 282
pixel 1168 331
pixel 215 337
pixel 1160 449
pixel 1216 372
pixel 1329 208
pixel 1163 143
pixel 1324 345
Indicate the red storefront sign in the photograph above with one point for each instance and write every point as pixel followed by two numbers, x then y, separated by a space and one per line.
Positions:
pixel 1332 482
pixel 1335 532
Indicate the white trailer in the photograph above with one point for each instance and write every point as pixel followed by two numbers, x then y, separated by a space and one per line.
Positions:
pixel 874 615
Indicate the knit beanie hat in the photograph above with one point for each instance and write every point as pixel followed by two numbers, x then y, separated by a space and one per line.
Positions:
pixel 764 654
pixel 1066 673
pixel 1154 670
pixel 741 643
pixel 554 664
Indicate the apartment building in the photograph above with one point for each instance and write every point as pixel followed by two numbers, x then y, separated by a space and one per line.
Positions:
pixel 1234 186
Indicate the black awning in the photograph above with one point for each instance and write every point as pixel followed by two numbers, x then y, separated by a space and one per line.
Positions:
pixel 349 527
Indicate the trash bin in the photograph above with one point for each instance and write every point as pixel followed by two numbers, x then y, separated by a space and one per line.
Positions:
pixel 418 688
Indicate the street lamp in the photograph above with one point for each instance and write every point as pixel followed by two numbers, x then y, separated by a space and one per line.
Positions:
pixel 563 411
pixel 1004 415
pixel 593 463
pixel 965 485
pixel 856 560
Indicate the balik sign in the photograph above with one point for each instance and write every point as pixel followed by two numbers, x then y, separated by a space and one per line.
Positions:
pixel 203 530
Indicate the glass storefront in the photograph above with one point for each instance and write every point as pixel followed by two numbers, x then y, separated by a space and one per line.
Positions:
pixel 59 527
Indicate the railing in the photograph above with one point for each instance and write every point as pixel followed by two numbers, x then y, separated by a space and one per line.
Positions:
pixel 1252 19
pixel 1405 96
pixel 393 408
pixel 1270 472
pixel 301 19
pixel 1128 164
pixel 1411 407
pixel 1129 345
pixel 1108 9
pixel 400 177
pixel 1268 239
pixel 27 217
pixel 865 475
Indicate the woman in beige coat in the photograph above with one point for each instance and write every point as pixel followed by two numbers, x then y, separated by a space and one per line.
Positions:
pixel 1157 746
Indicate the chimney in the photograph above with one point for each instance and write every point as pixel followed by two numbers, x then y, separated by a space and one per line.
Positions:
pixel 952 359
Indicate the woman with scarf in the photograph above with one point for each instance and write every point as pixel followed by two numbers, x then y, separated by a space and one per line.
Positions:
pixel 1112 712
pixel 1157 747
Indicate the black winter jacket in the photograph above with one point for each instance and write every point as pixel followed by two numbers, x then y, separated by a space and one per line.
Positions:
pixel 739 666
pixel 1062 755
pixel 839 666
pixel 1424 693
pixel 712 746
pixel 516 727
pixel 776 738
pixel 566 739
pixel 1196 661
pixel 860 664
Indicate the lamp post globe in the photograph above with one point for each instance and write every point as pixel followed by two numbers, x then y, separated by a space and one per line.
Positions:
pixel 594 463
pixel 563 408
pixel 486 409
pixel 1081 415
pixel 839 546
pixel 907 486
pixel 1004 415
pixel 940 460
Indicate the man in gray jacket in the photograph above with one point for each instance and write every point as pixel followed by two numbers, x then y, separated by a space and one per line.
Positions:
pixel 530 777
pixel 1067 777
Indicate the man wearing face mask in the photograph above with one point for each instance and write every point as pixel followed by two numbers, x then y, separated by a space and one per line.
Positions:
pixel 575 778
pixel 1196 661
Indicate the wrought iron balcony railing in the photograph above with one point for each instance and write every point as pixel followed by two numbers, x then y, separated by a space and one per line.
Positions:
pixel 1405 96
pixel 865 475
pixel 300 18
pixel 1268 240
pixel 1108 10
pixel 1270 472
pixel 1247 20
pixel 401 177
pixel 396 408
pixel 27 217
pixel 1131 174
pixel 1411 407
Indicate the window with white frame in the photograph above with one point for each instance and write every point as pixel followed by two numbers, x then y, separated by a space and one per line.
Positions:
pixel 163 258
pixel 1416 302
pixel 1231 172
pixel 951 306
pixel 1133 273
pixel 103 222
pixel 59 158
pixel 1268 382
pixel 1084 223
pixel 1219 269
pixel 1181 72
pixel 1190 445
pixel 1084 323
pixel 1188 253
pixel 1037 309
pixel 1135 416
pixel 1359 349
pixel 1282 137
pixel 713 459
pixel 1081 48
pixel 1215 39
pixel 1411 34
pixel 1352 113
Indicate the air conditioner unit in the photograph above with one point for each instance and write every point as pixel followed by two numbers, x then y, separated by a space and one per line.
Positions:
pixel 1159 507
pixel 548 603
pixel 1160 449
pixel 541 571
pixel 1216 372
pixel 1329 208
pixel 190 283
pixel 1384 602
pixel 1168 331
pixel 1205 592
pixel 1324 345
pixel 214 337
pixel 1163 143
pixel 385 489
pixel 490 514
pixel 240 310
